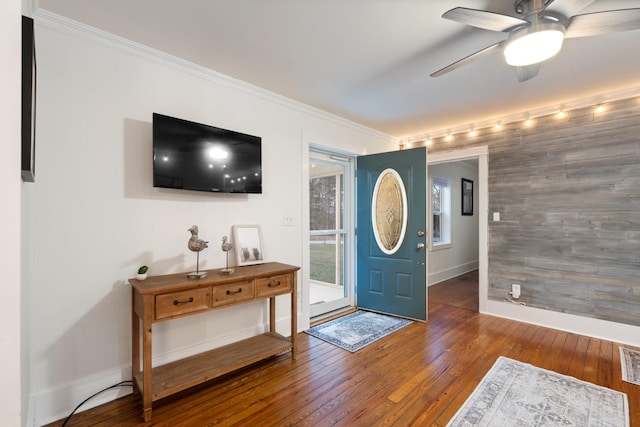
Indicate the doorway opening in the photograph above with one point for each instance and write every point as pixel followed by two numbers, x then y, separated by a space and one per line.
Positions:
pixel 331 231
pixel 453 287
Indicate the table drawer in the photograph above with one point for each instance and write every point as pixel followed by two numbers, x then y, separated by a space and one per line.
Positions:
pixel 233 292
pixel 274 285
pixel 180 303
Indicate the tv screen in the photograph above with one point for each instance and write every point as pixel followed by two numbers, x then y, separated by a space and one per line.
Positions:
pixel 194 156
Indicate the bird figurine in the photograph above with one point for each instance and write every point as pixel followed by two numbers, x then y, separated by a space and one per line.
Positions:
pixel 226 247
pixel 195 244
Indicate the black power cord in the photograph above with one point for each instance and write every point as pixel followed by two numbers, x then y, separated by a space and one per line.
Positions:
pixel 120 384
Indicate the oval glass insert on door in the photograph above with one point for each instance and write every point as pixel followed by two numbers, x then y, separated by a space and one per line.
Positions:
pixel 389 211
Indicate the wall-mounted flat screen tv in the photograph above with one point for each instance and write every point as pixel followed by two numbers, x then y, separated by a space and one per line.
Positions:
pixel 194 156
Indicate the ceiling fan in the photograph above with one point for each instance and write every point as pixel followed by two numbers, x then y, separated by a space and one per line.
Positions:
pixel 538 31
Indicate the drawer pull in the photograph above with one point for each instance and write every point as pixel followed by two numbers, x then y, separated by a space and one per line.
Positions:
pixel 273 285
pixel 234 292
pixel 176 302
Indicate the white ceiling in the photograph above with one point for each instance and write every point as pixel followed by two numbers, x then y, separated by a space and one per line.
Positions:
pixel 368 60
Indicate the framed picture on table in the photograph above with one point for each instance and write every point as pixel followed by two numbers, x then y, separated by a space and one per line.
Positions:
pixel 247 241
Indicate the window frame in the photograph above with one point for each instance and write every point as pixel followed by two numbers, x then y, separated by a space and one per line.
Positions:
pixel 445 214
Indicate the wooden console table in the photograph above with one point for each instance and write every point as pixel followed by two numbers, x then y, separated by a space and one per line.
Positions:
pixel 161 298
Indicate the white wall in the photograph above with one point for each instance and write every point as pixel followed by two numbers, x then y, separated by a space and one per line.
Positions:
pixel 462 255
pixel 95 217
pixel 10 344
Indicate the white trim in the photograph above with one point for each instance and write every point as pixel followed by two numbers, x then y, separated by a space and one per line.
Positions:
pixel 112 41
pixel 304 313
pixel 348 160
pixel 457 155
pixel 445 214
pixel 440 246
pixel 57 403
pixel 483 213
pixel 587 326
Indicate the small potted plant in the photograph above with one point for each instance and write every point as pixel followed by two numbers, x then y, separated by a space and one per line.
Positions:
pixel 142 272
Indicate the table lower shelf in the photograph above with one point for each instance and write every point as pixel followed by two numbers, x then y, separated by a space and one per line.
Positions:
pixel 184 373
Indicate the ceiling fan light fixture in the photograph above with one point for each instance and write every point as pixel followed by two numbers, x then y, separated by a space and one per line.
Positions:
pixel 534 44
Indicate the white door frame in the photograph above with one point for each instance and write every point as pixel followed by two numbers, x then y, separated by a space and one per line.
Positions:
pixel 482 155
pixel 347 161
pixel 304 313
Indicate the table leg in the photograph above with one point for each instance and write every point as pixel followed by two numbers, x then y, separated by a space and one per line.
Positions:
pixel 294 313
pixel 272 314
pixel 135 343
pixel 147 324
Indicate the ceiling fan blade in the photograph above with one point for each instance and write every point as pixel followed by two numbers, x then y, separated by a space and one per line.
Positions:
pixel 567 8
pixel 610 21
pixel 483 19
pixel 467 59
pixel 528 72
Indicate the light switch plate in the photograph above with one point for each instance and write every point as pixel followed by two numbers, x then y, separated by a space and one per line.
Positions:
pixel 287 220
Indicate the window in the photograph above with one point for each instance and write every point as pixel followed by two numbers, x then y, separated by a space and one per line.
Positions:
pixel 440 213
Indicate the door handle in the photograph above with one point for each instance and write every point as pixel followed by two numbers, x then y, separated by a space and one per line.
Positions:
pixel 420 246
pixel 420 233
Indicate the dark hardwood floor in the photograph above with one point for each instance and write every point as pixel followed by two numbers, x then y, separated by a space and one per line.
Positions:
pixel 418 376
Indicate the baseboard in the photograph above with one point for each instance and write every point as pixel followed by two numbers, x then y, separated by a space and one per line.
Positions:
pixel 596 328
pixel 450 273
pixel 51 405
pixel 56 404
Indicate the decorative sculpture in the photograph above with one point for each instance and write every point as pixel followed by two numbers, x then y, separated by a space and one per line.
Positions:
pixel 196 245
pixel 226 247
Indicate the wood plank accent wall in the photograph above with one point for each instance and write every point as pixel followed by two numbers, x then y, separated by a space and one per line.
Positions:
pixel 568 191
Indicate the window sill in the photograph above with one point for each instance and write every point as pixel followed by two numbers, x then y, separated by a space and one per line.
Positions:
pixel 440 246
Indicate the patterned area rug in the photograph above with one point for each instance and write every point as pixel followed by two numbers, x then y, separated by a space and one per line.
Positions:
pixel 630 361
pixel 356 330
pixel 518 394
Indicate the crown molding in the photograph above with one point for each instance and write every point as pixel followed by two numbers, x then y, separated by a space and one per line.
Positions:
pixel 77 29
pixel 92 34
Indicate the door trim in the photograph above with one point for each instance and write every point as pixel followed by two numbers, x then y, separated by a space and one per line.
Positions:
pixel 480 153
pixel 349 224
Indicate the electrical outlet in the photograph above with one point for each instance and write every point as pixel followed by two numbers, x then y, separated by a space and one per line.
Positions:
pixel 515 291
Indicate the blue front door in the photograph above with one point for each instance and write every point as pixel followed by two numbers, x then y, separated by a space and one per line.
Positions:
pixel 391 233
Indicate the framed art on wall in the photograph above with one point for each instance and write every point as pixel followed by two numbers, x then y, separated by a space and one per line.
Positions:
pixel 28 130
pixel 467 197
pixel 247 240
